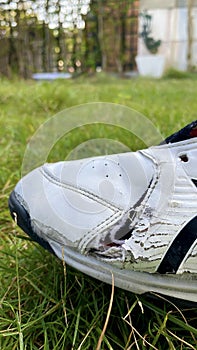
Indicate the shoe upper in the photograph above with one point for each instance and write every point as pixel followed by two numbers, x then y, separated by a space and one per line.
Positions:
pixel 128 209
pixel 78 200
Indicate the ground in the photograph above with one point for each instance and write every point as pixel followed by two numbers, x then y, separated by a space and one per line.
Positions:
pixel 44 304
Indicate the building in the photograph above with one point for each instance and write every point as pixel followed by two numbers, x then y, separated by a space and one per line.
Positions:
pixel 175 23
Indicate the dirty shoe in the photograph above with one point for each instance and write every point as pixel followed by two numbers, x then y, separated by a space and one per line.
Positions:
pixel 132 215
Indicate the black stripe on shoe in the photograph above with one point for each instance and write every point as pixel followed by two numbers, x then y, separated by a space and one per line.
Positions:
pixel 179 248
pixel 195 182
pixel 188 132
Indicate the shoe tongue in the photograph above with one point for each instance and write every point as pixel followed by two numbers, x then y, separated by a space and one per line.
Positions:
pixel 188 132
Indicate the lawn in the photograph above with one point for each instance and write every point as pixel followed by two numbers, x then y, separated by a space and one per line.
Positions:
pixel 44 304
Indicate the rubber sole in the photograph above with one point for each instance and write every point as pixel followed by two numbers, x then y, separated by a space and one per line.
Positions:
pixel 172 285
pixel 176 286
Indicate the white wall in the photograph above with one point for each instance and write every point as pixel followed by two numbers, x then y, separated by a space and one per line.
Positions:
pixel 170 25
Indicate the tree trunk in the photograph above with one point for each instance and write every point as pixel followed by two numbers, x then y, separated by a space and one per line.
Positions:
pixel 101 35
pixel 190 35
pixel 4 63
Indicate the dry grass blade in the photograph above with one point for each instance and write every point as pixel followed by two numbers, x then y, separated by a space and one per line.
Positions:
pixel 62 296
pixel 190 346
pixel 107 317
pixel 138 333
pixel 176 308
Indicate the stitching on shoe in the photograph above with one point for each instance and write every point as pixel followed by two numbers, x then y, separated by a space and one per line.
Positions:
pixel 126 214
pixel 80 190
pixel 117 212
pixel 36 225
pixel 98 230
pixel 50 233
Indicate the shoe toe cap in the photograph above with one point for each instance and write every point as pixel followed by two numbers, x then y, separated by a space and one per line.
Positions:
pixel 63 212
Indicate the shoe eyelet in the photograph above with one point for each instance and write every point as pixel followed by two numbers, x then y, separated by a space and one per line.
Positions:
pixel 184 158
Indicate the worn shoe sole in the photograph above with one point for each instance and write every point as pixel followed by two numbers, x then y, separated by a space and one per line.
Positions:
pixel 183 286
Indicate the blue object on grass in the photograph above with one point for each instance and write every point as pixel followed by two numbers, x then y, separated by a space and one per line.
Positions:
pixel 51 76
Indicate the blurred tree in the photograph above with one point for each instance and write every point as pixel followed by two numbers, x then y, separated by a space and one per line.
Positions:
pixel 114 24
pixel 33 34
pixel 44 35
pixel 93 56
pixel 46 54
pixel 17 24
pixel 190 5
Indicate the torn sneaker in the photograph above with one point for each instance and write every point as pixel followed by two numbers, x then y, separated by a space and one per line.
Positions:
pixel 132 215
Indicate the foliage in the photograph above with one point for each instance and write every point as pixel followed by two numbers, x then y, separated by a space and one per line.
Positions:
pixel 116 26
pixel 43 304
pixel 76 35
pixel 151 44
pixel 173 73
pixel 36 32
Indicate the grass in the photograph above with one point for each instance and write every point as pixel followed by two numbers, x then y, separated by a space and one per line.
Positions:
pixel 44 304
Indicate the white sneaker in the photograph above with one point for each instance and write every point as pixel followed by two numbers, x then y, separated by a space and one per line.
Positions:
pixel 132 215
